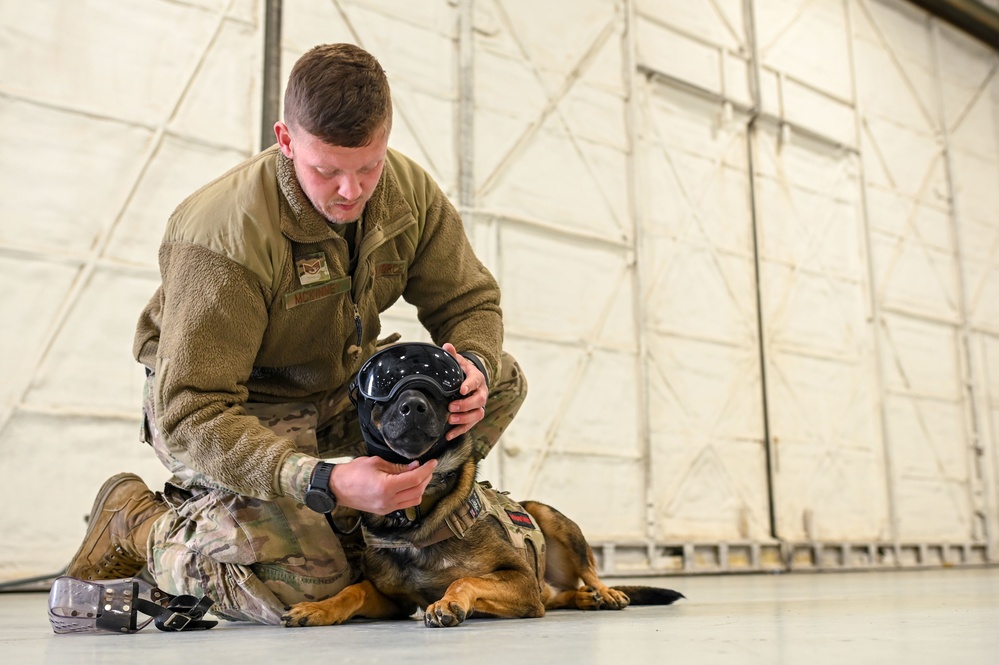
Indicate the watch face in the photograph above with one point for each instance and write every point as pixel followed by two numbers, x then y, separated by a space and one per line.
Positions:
pixel 321 502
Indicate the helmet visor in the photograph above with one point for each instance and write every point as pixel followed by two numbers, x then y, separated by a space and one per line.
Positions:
pixel 409 365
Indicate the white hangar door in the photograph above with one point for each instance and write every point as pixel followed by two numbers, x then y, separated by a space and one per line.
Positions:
pixel 970 90
pixel 705 403
pixel 862 294
pixel 810 291
pixel 929 149
pixel 757 319
pixel 822 395
pixel 553 199
pixel 729 263
pixel 111 113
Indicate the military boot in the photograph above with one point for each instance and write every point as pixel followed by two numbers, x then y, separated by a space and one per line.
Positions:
pixel 118 530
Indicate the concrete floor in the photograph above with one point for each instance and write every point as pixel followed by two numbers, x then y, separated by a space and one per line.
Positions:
pixel 938 616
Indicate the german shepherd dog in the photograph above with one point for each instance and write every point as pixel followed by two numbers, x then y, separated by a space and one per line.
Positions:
pixel 467 550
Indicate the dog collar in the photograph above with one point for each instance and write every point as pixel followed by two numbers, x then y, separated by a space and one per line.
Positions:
pixel 455 524
pixel 414 515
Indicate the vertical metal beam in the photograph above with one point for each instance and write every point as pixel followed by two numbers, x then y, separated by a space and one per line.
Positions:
pixel 751 130
pixel 630 73
pixel 483 230
pixel 466 108
pixel 270 104
pixel 978 493
pixel 874 305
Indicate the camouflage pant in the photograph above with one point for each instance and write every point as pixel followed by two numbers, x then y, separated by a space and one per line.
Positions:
pixel 254 557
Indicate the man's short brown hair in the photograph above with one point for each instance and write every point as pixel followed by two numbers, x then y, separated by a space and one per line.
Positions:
pixel 339 94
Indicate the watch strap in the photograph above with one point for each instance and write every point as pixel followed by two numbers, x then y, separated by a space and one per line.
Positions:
pixel 321 477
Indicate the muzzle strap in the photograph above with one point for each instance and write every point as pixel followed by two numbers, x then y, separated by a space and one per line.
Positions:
pixel 185 613
pixel 79 606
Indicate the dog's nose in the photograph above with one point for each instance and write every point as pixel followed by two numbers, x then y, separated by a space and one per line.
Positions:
pixel 413 404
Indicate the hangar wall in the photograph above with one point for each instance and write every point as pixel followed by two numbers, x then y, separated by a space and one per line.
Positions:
pixel 747 249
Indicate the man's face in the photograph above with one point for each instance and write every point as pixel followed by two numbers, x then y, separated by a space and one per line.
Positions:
pixel 338 181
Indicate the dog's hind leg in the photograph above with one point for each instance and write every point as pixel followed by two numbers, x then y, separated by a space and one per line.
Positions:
pixel 570 567
pixel 361 599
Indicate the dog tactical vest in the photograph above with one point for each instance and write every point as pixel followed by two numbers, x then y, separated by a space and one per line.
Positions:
pixel 518 526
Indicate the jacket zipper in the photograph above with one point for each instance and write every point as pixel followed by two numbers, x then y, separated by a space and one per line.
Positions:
pixel 357 324
pixel 364 251
pixel 374 241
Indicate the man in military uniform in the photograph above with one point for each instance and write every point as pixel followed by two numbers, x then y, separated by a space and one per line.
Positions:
pixel 273 279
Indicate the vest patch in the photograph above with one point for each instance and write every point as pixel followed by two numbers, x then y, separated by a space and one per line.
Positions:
pixel 312 269
pixel 520 519
pixel 390 269
pixel 300 297
pixel 474 505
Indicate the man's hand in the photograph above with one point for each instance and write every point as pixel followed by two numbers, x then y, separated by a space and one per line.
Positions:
pixel 375 486
pixel 471 408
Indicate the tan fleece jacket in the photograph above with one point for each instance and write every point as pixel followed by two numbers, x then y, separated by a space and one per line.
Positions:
pixel 257 303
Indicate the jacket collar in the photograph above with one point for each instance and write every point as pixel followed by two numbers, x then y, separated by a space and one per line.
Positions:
pixel 304 224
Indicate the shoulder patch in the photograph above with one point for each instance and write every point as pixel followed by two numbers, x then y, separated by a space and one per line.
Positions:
pixel 520 519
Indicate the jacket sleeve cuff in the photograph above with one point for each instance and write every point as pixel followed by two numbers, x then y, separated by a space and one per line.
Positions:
pixel 477 361
pixel 296 472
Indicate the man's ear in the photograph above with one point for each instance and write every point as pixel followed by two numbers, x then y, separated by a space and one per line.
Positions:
pixel 283 138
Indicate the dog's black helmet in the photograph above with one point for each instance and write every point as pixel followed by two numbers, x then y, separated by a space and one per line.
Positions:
pixel 385 374
pixel 412 364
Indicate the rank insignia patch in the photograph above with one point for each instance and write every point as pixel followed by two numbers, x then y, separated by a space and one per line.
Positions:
pixel 312 269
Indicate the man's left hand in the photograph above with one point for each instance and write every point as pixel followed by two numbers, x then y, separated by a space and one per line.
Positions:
pixel 471 408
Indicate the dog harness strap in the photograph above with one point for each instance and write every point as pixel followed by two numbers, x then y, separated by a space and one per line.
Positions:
pixel 371 540
pixel 460 520
pixel 381 542
pixel 437 536
pixel 455 524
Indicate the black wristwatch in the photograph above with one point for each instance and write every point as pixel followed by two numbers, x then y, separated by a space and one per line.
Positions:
pixel 318 496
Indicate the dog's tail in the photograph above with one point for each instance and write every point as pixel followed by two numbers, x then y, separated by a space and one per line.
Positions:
pixel 650 595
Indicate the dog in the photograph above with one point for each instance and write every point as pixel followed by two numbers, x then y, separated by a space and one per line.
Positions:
pixel 466 550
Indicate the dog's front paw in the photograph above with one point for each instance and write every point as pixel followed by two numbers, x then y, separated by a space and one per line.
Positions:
pixel 308 614
pixel 588 598
pixel 444 614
